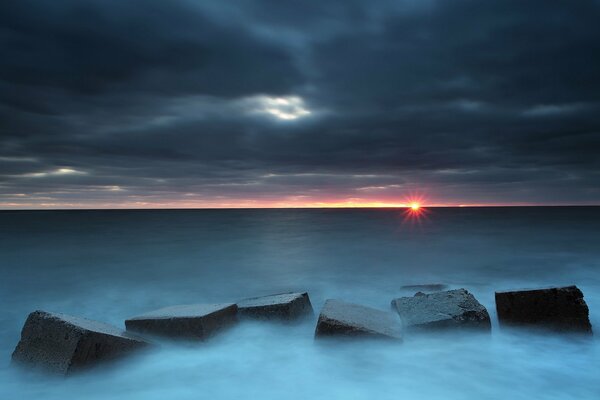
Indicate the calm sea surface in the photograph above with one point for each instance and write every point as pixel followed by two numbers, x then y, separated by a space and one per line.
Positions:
pixel 110 265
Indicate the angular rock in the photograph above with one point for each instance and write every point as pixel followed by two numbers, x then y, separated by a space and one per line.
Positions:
pixel 284 306
pixel 451 309
pixel 195 321
pixel 560 309
pixel 64 344
pixel 339 318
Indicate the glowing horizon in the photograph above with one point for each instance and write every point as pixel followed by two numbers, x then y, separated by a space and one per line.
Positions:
pixel 269 204
pixel 414 202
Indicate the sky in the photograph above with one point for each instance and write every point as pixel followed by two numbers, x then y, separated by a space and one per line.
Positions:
pixel 265 103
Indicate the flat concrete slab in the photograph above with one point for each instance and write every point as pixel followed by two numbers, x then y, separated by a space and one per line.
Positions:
pixel 451 309
pixel 560 309
pixel 193 321
pixel 343 319
pixel 64 344
pixel 283 306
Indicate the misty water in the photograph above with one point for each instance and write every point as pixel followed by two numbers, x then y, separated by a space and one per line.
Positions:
pixel 110 265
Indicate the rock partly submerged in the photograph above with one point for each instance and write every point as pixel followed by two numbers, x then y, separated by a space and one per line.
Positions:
pixel 451 309
pixel 189 322
pixel 64 344
pixel 427 287
pixel 283 307
pixel 338 318
pixel 559 309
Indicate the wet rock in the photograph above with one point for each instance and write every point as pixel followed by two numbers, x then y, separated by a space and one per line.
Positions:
pixel 431 287
pixel 63 344
pixel 195 321
pixel 560 309
pixel 284 306
pixel 338 318
pixel 450 309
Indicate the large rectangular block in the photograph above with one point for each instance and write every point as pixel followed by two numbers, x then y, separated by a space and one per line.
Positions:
pixel 64 344
pixel 451 309
pixel 195 321
pixel 284 306
pixel 339 318
pixel 560 309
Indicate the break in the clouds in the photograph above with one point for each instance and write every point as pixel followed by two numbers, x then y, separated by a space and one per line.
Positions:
pixel 251 103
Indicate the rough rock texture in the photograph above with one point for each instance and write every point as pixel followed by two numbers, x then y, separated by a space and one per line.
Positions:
pixel 338 318
pixel 430 287
pixel 559 309
pixel 450 309
pixel 285 306
pixel 195 321
pixel 63 344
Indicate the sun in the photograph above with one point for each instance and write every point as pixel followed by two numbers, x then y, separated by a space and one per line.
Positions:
pixel 414 212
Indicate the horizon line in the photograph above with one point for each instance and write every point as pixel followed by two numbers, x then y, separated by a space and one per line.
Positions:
pixel 296 208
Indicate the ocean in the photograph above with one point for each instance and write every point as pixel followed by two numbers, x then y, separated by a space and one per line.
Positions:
pixel 111 265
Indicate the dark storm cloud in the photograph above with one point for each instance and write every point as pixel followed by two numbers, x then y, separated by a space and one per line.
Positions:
pixel 468 101
pixel 92 47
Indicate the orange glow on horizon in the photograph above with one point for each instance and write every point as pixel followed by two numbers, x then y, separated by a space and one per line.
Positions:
pixel 292 202
pixel 412 205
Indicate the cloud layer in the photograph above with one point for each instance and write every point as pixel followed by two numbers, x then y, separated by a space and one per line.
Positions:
pixel 250 103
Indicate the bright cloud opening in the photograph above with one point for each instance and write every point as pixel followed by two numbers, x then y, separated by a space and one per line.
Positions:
pixel 56 172
pixel 284 108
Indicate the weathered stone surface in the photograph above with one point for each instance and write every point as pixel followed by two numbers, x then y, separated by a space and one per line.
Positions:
pixel 560 309
pixel 195 321
pixel 339 318
pixel 284 306
pixel 64 344
pixel 429 287
pixel 450 309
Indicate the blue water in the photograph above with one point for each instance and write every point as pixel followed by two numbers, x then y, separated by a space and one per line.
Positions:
pixel 110 265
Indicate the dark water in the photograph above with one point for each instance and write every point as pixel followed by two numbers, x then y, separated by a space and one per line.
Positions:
pixel 110 265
